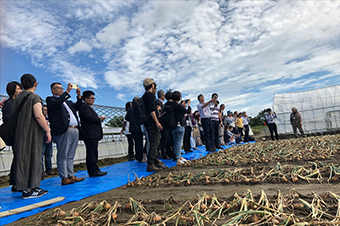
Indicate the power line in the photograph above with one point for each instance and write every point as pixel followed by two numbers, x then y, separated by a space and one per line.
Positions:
pixel 228 83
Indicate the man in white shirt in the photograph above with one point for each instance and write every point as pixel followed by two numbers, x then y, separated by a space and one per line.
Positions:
pixel 203 109
pixel 246 121
pixel 270 118
pixel 64 125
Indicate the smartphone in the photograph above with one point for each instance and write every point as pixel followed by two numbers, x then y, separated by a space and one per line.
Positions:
pixel 74 86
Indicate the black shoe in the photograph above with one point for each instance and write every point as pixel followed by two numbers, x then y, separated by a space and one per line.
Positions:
pixel 34 193
pixel 43 191
pixel 131 158
pixel 165 157
pixel 152 168
pixel 161 165
pixel 14 189
pixel 98 174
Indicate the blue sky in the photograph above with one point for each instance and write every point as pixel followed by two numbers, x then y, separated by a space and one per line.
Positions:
pixel 246 51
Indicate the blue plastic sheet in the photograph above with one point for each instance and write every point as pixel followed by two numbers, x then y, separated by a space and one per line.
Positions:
pixel 118 175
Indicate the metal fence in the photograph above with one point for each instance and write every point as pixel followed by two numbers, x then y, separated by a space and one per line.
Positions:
pixel 113 144
pixel 112 114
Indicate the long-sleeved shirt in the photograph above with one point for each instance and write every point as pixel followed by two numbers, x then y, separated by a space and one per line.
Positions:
pixel 231 121
pixel 6 109
pixel 295 118
pixel 230 134
pixel 270 118
pixel 246 120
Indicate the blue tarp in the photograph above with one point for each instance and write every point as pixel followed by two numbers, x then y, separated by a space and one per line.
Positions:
pixel 118 175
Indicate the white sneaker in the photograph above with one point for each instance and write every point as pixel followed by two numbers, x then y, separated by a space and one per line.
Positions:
pixel 180 161
pixel 183 159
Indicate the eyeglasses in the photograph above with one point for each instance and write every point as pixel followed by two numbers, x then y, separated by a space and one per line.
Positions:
pixel 58 87
pixel 92 98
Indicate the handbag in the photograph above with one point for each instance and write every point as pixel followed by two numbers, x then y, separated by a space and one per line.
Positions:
pixel 7 129
pixel 196 132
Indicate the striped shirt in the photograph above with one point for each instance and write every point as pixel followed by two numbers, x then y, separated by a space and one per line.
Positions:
pixel 230 134
pixel 214 112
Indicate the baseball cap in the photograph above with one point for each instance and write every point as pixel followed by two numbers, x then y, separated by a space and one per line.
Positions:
pixel 147 82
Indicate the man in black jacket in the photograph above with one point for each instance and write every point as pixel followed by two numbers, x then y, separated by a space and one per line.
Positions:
pixel 64 125
pixel 92 132
pixel 135 130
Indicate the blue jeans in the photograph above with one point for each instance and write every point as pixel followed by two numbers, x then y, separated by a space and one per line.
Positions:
pixel 47 152
pixel 178 135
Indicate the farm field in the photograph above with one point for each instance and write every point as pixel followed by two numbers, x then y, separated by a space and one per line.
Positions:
pixel 286 182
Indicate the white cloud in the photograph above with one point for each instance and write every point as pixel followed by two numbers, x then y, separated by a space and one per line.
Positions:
pixel 113 32
pixel 121 96
pixel 33 30
pixel 243 50
pixel 79 47
pixel 74 74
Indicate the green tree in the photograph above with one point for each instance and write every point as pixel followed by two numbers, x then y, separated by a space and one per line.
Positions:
pixel 116 121
pixel 259 119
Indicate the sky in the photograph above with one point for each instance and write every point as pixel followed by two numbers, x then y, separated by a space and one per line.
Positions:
pixel 246 51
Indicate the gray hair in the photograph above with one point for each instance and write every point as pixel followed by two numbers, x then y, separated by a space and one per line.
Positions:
pixel 160 93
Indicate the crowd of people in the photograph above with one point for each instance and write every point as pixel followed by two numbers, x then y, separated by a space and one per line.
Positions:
pixel 170 124
pixel 38 124
pixel 167 122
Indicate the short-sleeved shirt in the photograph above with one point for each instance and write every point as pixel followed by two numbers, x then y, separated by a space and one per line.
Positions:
pixel 204 112
pixel 179 112
pixel 214 112
pixel 239 122
pixel 149 100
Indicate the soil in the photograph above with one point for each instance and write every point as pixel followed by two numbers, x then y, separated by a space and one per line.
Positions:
pixel 159 198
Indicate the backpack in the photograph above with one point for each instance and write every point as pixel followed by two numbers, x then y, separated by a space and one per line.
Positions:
pixel 139 111
pixel 168 118
pixel 7 129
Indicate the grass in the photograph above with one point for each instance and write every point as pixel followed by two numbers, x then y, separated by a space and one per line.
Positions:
pixel 257 129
